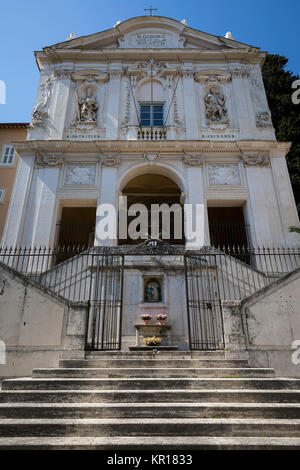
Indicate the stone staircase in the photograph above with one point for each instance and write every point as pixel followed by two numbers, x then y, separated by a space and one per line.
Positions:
pixel 169 400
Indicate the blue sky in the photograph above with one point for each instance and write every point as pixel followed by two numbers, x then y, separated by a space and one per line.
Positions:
pixel 273 25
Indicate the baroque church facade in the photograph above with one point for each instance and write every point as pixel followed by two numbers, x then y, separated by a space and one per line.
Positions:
pixel 168 341
pixel 151 112
pixel 159 112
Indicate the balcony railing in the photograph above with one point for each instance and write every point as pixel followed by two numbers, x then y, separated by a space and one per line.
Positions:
pixel 152 133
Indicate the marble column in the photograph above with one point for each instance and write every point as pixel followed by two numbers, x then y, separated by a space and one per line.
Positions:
pixel 112 118
pixel 59 105
pixel 189 97
pixel 195 213
pixel 264 205
pixel 107 206
pixel 18 203
pixel 40 225
pixel 240 91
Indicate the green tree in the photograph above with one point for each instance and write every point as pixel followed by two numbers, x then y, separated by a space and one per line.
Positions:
pixel 285 114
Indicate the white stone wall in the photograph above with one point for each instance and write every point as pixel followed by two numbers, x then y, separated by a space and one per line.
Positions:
pixel 265 327
pixel 36 327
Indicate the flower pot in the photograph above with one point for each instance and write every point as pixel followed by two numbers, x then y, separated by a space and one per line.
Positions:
pixel 161 322
pixel 146 322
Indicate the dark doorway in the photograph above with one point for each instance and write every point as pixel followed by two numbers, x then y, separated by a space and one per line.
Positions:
pixel 77 227
pixel 149 189
pixel 227 227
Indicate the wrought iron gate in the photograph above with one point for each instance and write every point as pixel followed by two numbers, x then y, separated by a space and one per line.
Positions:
pixel 204 312
pixel 106 299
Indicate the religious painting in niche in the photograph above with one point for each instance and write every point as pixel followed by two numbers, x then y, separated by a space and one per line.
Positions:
pixel 153 289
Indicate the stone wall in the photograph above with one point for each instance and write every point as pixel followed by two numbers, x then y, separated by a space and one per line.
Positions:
pixel 265 326
pixel 37 327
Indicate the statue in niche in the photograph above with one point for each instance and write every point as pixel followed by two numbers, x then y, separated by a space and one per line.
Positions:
pixel 152 290
pixel 88 108
pixel 215 106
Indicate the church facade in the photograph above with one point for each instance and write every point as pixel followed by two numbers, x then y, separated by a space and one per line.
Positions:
pixel 158 112
pixel 151 113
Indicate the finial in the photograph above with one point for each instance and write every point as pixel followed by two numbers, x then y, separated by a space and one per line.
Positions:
pixel 184 22
pixel 72 36
pixel 228 35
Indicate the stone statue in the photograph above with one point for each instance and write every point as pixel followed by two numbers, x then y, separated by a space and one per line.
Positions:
pixel 88 108
pixel 215 106
pixel 39 113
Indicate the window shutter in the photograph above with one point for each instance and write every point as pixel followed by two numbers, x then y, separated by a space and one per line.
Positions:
pixel 8 155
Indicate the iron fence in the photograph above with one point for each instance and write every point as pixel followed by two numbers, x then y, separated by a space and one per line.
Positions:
pixel 67 270
pixel 96 276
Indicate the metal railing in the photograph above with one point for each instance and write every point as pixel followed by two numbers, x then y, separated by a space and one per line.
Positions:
pixel 230 235
pixel 68 270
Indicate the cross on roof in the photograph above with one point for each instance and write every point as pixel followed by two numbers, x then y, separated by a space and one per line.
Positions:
pixel 150 9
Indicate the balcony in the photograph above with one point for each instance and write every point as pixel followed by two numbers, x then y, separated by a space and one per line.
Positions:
pixel 152 133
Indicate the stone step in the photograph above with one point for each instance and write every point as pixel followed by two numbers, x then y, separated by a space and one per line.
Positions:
pixel 150 427
pixel 150 396
pixel 152 372
pixel 213 354
pixel 159 443
pixel 149 410
pixel 156 362
pixel 149 383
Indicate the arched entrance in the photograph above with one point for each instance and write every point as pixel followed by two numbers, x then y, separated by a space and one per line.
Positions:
pixel 161 197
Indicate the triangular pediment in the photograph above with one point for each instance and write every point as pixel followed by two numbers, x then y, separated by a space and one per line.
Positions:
pixel 154 32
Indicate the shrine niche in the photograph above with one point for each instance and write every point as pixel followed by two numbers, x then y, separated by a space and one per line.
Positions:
pixel 152 289
pixel 86 91
pixel 215 108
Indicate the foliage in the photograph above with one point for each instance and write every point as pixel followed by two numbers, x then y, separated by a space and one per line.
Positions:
pixel 153 341
pixel 146 316
pixel 285 114
pixel 161 316
pixel 295 229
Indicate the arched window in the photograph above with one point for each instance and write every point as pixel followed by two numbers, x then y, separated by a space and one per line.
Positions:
pixel 151 99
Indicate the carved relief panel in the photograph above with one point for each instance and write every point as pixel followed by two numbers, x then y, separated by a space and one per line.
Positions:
pixel 259 100
pixel 80 174
pixel 40 112
pixel 223 174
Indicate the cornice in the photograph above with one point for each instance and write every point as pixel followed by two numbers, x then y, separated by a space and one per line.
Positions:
pixel 162 147
pixel 250 55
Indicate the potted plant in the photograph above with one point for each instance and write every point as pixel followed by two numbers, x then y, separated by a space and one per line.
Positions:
pixel 153 341
pixel 161 318
pixel 146 318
